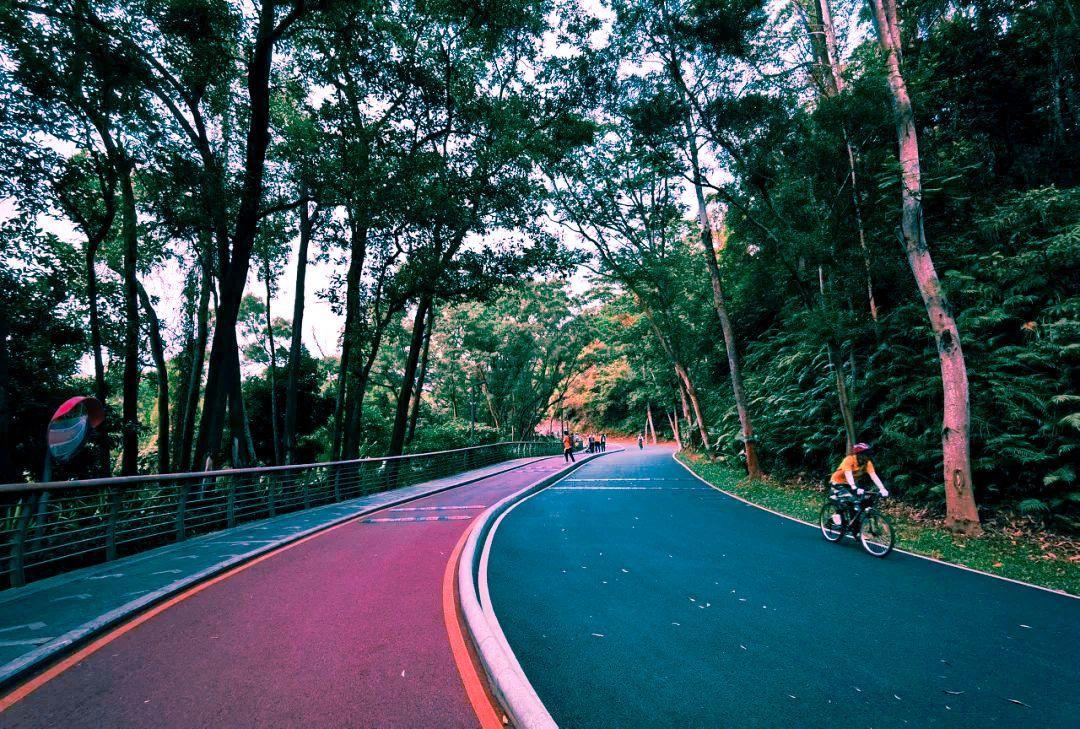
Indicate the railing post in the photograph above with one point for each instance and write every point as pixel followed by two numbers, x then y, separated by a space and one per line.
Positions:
pixel 110 525
pixel 271 496
pixel 26 507
pixel 40 517
pixel 230 504
pixel 181 511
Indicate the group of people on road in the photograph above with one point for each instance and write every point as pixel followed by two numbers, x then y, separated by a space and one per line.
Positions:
pixel 596 444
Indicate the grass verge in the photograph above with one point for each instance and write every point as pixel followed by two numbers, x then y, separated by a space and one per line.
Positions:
pixel 1035 557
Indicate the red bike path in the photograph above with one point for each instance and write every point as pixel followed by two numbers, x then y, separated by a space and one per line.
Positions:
pixel 346 629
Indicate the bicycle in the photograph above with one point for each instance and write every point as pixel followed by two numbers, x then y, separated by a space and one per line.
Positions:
pixel 860 518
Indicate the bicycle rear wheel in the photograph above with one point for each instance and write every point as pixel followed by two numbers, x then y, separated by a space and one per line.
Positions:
pixel 832 522
pixel 876 533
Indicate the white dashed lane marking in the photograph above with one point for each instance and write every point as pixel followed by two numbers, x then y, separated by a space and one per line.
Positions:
pixel 384 520
pixel 27 626
pixel 80 596
pixel 437 508
pixel 627 488
pixel 29 641
pixel 633 480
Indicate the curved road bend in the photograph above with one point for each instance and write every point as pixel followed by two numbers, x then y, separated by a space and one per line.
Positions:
pixel 345 630
pixel 633 595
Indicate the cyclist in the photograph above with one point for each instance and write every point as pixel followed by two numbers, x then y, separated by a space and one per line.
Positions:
pixel 568 447
pixel 856 465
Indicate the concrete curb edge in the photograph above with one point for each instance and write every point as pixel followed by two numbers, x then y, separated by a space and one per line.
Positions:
pixel 511 688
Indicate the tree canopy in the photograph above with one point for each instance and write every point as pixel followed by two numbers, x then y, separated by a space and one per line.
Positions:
pixel 765 230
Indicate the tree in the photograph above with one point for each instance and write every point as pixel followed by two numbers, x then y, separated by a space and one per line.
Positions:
pixel 962 514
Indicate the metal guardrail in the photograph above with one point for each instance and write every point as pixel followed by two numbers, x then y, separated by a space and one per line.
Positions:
pixel 48 528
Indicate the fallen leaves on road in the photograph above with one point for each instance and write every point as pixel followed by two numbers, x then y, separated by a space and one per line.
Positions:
pixel 1018 702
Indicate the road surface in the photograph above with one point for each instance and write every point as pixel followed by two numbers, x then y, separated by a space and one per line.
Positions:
pixel 345 629
pixel 633 595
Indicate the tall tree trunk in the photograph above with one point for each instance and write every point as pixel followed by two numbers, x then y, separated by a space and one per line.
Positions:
pixel 720 306
pixel 401 413
pixel 962 515
pixel 680 370
pixel 691 392
pixel 832 59
pixel 358 391
pixel 685 406
pixel 198 356
pixel 339 397
pixel 184 363
pixel 414 413
pixel 650 427
pixel 101 391
pixel 7 468
pixel 348 407
pixel 130 435
pixel 273 369
pixel 157 351
pixel 238 418
pixel 490 402
pixel 673 421
pixel 295 345
pixel 838 373
pixel 817 17
pixel 355 375
pixel 223 377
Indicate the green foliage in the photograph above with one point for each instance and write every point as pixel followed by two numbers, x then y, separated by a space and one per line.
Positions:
pixel 42 338
pixel 313 412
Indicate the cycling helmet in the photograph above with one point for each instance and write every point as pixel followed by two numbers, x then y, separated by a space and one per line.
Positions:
pixel 860 448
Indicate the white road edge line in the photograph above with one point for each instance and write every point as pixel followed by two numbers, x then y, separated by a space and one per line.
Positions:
pixel 904 551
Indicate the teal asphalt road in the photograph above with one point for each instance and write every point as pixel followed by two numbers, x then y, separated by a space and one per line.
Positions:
pixel 635 596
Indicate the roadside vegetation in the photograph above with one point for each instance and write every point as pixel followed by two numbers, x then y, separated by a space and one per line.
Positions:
pixel 1010 546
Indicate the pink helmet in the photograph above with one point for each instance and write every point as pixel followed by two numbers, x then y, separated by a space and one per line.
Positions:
pixel 860 447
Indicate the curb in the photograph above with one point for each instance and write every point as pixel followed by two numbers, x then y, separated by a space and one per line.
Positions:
pixel 508 683
pixel 22 668
pixel 965 568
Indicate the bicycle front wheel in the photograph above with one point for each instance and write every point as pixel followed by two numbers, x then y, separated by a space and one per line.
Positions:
pixel 876 533
pixel 831 522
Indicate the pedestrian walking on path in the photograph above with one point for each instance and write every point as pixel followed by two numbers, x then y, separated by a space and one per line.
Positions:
pixel 603 442
pixel 640 441
pixel 568 448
